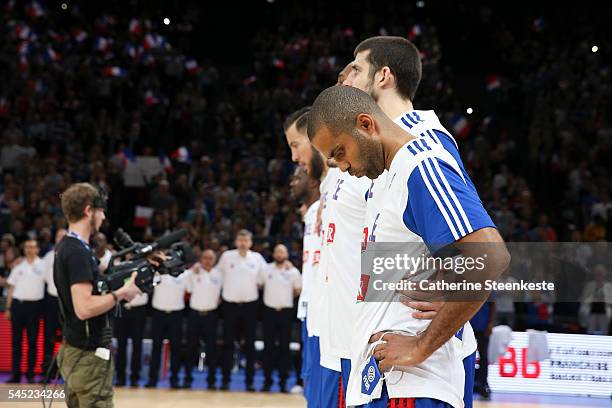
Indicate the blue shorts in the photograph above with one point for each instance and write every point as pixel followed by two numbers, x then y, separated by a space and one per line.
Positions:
pixel 329 391
pixel 306 362
pixel 469 366
pixel 346 372
pixel 313 383
pixel 324 383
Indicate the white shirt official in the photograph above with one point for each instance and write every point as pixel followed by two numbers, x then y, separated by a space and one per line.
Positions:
pixel 280 285
pixel 169 294
pixel 28 280
pixel 139 300
pixel 241 275
pixel 47 264
pixel 205 288
pixel 104 260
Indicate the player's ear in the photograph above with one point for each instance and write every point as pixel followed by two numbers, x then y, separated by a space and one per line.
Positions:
pixel 365 123
pixel 386 79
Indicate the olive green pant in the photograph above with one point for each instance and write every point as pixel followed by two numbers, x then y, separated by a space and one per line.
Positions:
pixel 88 378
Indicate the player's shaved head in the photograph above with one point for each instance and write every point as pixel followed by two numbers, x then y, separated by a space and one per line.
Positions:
pixel 402 58
pixel 337 108
pixel 345 124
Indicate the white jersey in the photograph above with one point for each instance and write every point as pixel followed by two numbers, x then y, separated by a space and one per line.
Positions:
pixel 346 211
pixel 28 280
pixel 318 312
pixel 311 252
pixel 423 123
pixel 422 178
pixel 47 262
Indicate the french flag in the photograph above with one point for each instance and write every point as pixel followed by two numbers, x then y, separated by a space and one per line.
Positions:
pixel 79 35
pixel 181 155
pixel 23 63
pixel 250 80
pixel 150 99
pixel 167 163
pixel 191 66
pixel 131 50
pixel 135 27
pixel 460 125
pixel 115 71
pixel 142 216
pixel 102 44
pixel 51 55
pixel 126 156
pixel 278 63
pixel 415 31
pixel 35 10
pixel 149 42
pixel 493 82
pixel 23 31
pixel 24 48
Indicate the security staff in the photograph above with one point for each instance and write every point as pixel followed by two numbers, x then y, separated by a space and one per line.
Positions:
pixel 24 307
pixel 281 286
pixel 130 323
pixel 241 269
pixel 204 282
pixel 168 305
pixel 84 359
pixel 51 308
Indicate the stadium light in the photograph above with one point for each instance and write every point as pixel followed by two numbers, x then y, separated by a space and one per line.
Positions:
pixel 64 6
pixel 469 111
pixel 166 21
pixel 420 4
pixel 595 48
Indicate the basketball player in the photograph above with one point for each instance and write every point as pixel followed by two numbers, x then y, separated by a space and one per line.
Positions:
pixel 425 176
pixel 322 390
pixel 305 189
pixel 389 70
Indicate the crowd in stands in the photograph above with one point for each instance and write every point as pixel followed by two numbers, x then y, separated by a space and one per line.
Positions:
pixel 90 96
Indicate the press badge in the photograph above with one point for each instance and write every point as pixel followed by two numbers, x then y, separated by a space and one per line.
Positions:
pixel 370 377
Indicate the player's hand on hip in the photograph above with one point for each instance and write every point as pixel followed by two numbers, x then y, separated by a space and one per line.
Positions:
pixel 424 310
pixel 397 350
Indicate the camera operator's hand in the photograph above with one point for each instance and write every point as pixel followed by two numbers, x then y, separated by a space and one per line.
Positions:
pixel 129 290
pixel 156 258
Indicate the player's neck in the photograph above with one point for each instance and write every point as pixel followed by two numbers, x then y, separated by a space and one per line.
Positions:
pixel 394 105
pixel 81 228
pixel 30 259
pixel 313 196
pixel 392 143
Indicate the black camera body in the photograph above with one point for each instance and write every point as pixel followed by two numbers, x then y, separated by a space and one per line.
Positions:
pixel 179 257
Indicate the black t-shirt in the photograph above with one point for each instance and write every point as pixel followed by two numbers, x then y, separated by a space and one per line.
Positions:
pixel 74 264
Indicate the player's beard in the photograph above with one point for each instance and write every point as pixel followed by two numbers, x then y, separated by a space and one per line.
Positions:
pixel 371 155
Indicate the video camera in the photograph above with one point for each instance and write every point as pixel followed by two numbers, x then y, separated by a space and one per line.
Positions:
pixel 179 257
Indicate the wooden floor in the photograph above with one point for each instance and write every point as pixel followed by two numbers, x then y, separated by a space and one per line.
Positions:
pixel 164 398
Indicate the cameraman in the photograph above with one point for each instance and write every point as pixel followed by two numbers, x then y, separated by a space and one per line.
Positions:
pixel 84 358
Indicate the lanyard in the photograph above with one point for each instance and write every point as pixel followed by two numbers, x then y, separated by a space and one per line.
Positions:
pixel 86 245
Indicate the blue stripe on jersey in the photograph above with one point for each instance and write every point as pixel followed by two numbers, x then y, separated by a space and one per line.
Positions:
pixel 442 206
pixel 405 122
pixel 410 118
pixel 411 150
pixel 417 117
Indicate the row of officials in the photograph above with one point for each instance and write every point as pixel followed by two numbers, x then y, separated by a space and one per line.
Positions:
pixel 234 282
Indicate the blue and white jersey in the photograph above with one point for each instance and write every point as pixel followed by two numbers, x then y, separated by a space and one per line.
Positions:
pixel 430 201
pixel 427 124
